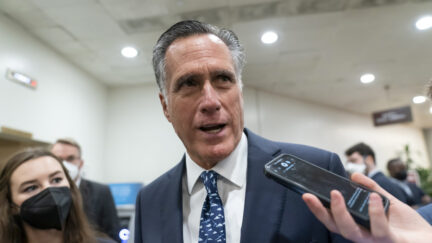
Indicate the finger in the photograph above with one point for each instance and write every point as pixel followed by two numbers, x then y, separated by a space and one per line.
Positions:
pixel 378 220
pixel 342 218
pixel 317 208
pixel 371 184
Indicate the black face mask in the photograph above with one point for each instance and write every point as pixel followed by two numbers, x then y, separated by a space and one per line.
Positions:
pixel 401 175
pixel 47 209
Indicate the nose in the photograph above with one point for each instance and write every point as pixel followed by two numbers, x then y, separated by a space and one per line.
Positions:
pixel 210 99
pixel 44 186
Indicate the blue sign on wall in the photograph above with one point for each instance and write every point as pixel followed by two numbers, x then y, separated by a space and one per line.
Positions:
pixel 125 193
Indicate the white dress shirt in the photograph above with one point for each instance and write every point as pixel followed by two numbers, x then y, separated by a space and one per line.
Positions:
pixel 231 185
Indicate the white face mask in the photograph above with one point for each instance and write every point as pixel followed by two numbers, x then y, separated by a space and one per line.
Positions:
pixel 354 167
pixel 72 169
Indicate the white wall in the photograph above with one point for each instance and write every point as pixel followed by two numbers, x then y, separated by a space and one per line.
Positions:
pixel 428 138
pixel 123 132
pixel 141 144
pixel 67 102
pixel 290 120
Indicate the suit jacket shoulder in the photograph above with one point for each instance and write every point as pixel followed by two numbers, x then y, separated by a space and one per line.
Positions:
pixel 390 186
pixel 274 213
pixel 158 216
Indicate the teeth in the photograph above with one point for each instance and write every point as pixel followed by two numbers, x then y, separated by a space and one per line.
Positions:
pixel 214 130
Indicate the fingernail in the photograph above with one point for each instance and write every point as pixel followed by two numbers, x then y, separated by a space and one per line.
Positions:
pixel 334 197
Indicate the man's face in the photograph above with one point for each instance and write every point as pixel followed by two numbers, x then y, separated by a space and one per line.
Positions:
pixel 396 168
pixel 204 100
pixel 356 158
pixel 67 153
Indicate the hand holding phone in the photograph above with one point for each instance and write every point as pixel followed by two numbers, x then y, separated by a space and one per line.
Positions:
pixel 302 176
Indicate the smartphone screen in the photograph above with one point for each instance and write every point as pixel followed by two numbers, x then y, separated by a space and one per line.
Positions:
pixel 303 176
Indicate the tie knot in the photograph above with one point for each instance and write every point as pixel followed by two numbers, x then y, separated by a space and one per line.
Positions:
pixel 209 179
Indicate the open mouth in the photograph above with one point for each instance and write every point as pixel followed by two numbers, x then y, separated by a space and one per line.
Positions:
pixel 212 128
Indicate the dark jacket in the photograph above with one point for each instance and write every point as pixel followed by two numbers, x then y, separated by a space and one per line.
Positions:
pixel 390 186
pixel 272 213
pixel 100 208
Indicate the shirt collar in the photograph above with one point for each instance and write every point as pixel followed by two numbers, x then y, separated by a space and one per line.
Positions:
pixel 233 168
pixel 373 172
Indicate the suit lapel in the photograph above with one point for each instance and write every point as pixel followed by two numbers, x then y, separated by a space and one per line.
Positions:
pixel 172 207
pixel 263 202
pixel 264 198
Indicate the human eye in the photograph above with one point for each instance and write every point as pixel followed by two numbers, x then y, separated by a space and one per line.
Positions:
pixel 30 188
pixel 225 78
pixel 71 158
pixel 57 180
pixel 189 83
pixel 186 83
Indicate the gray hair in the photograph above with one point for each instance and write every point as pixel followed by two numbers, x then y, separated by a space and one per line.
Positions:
pixel 71 142
pixel 193 27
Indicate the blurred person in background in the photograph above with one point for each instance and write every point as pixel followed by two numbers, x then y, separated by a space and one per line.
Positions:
pixel 401 224
pixel 415 195
pixel 98 201
pixel 361 158
pixel 40 203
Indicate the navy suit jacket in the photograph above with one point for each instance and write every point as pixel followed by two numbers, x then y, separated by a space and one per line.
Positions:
pixel 390 186
pixel 417 194
pixel 272 213
pixel 100 208
pixel 426 212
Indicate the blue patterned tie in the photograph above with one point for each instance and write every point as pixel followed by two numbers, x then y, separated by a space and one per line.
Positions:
pixel 212 223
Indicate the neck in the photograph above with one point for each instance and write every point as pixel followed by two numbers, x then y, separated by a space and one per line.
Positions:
pixel 42 236
pixel 206 166
pixel 370 168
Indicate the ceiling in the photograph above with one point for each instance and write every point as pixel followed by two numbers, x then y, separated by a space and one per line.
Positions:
pixel 323 48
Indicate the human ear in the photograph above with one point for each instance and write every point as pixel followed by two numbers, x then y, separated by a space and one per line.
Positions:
pixel 164 106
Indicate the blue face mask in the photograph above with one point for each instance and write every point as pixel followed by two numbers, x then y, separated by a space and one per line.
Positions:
pixel 48 209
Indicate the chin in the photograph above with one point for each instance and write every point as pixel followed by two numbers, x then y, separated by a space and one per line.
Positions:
pixel 218 153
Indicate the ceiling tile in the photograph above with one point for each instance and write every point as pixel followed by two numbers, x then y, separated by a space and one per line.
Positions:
pixel 85 21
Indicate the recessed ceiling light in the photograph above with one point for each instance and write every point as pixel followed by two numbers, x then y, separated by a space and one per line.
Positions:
pixel 269 37
pixel 419 99
pixel 424 23
pixel 430 109
pixel 129 52
pixel 367 78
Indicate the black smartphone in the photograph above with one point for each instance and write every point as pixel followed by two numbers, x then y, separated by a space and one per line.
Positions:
pixel 302 176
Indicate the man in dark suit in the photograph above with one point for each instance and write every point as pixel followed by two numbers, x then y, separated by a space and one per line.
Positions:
pixel 218 191
pixel 97 199
pixel 415 195
pixel 401 224
pixel 361 158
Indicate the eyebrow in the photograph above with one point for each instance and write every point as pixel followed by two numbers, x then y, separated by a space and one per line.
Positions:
pixel 186 77
pixel 212 73
pixel 34 181
pixel 223 72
